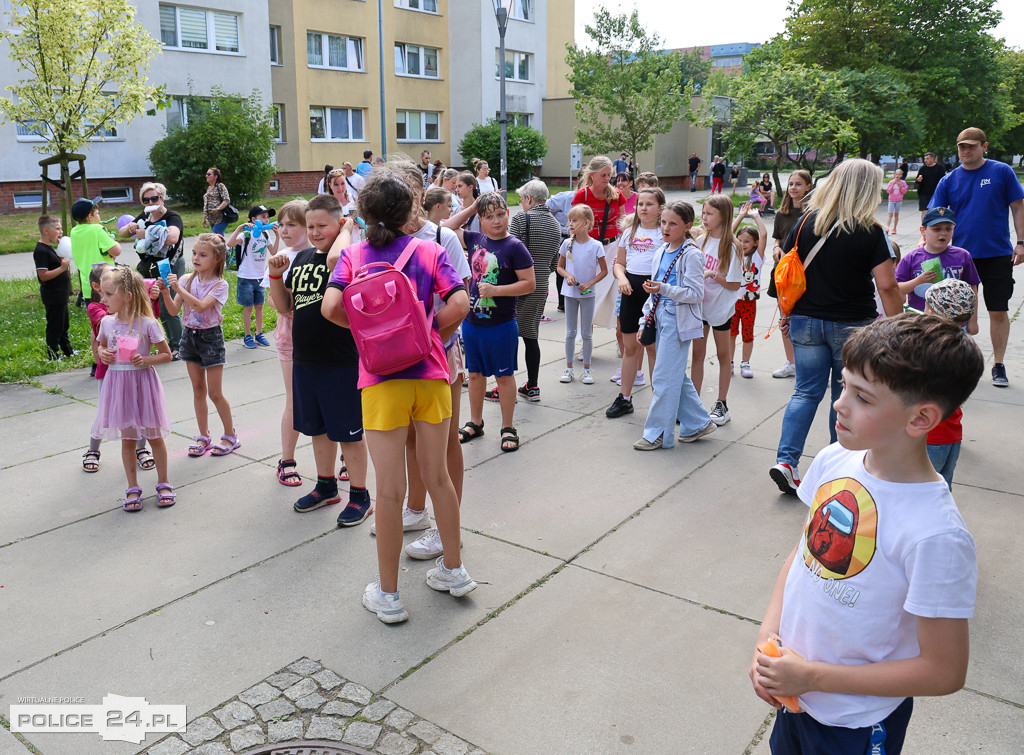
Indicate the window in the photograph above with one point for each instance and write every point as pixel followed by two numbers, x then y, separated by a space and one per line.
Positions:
pixel 193 29
pixel 334 51
pixel 417 126
pixel 522 9
pixel 116 195
pixel 726 62
pixel 274 186
pixel 27 199
pixel 427 6
pixel 275 45
pixel 517 65
pixel 31 131
pixel 279 122
pixel 413 60
pixel 177 113
pixel 339 124
pixel 515 119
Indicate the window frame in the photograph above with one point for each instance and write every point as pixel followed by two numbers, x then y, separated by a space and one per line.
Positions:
pixel 127 197
pixel 279 120
pixel 275 46
pixel 15 196
pixel 530 11
pixel 326 116
pixel 211 30
pixel 325 51
pixel 518 56
pixel 423 127
pixel 422 52
pixel 404 5
pixel 515 119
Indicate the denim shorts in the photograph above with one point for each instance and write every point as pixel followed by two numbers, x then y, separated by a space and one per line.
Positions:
pixel 894 207
pixel 249 292
pixel 203 347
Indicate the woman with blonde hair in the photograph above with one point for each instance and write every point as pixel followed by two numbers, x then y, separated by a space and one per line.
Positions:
pixel 853 257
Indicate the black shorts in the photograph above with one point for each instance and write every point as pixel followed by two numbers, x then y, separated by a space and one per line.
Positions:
pixel 326 400
pixel 204 347
pixel 923 200
pixel 631 308
pixel 996 275
pixel 720 328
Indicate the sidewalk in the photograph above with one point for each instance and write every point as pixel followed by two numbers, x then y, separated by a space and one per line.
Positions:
pixel 619 591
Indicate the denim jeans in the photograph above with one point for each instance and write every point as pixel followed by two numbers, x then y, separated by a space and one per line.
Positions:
pixel 219 228
pixel 818 350
pixel 944 457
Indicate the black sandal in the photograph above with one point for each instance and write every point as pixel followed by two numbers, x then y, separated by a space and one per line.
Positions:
pixel 509 439
pixel 91 461
pixel 470 430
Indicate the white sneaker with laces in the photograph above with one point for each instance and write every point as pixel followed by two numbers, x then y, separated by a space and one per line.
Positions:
pixel 411 521
pixel 720 414
pixel 387 606
pixel 588 377
pixel 787 370
pixel 426 546
pixel 567 376
pixel 745 370
pixel 456 581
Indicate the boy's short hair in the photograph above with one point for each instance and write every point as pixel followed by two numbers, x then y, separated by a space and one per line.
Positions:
pixel 953 299
pixel 582 212
pixel 648 179
pixel 326 202
pixel 47 221
pixel 919 358
pixel 489 201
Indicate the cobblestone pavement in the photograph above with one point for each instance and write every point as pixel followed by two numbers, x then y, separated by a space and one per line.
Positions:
pixel 305 701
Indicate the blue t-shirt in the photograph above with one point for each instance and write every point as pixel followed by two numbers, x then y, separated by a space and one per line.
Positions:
pixel 666 259
pixel 981 200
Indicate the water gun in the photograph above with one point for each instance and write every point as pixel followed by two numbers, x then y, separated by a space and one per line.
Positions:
pixel 258 227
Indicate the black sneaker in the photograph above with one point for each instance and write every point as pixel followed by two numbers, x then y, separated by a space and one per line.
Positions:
pixel 619 408
pixel 999 378
pixel 321 495
pixel 359 507
pixel 530 394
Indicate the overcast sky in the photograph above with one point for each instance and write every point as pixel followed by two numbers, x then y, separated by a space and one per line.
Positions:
pixel 691 24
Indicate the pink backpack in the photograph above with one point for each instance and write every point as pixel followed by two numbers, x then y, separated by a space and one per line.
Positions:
pixel 387 319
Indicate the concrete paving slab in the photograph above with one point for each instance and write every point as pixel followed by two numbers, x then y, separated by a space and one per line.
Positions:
pixel 599 494
pixel 989 446
pixel 46 432
pixel 206 647
pixel 10 745
pixel 21 399
pixel 586 663
pixel 699 561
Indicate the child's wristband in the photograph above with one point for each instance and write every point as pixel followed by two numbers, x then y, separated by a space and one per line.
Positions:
pixel 276 277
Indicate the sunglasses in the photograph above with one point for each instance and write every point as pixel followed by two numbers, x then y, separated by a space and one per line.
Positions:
pixel 150 200
pixel 210 173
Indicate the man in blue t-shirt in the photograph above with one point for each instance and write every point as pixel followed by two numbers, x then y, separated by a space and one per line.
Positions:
pixel 980 192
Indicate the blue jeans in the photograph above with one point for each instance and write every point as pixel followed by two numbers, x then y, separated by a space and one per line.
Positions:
pixel 818 350
pixel 219 228
pixel 675 398
pixel 944 457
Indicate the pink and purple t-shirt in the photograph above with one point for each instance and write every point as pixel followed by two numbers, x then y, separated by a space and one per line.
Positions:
pixel 213 316
pixel 430 271
pixel 956 263
pixel 146 329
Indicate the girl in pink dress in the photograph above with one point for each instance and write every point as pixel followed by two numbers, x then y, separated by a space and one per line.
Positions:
pixel 132 404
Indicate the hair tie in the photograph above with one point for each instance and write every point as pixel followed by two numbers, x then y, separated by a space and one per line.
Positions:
pixel 382 225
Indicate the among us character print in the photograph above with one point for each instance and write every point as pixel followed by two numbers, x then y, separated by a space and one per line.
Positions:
pixel 484 266
pixel 839 539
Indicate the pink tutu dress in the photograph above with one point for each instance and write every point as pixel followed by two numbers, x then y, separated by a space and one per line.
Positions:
pixel 132 403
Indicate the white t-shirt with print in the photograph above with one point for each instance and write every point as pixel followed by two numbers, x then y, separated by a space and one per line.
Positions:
pixel 720 302
pixel 254 262
pixel 873 556
pixel 640 250
pixel 583 266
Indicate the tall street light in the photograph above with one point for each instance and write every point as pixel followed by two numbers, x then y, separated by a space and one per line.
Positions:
pixel 501 11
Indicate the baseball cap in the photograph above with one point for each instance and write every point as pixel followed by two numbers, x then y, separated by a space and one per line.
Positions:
pixel 939 215
pixel 259 209
pixel 82 207
pixel 972 135
pixel 952 298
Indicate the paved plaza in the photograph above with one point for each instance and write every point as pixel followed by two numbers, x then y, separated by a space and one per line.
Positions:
pixel 619 591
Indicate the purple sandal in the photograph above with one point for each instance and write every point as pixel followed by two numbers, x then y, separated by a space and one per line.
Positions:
pixel 200 447
pixel 228 443
pixel 134 503
pixel 165 495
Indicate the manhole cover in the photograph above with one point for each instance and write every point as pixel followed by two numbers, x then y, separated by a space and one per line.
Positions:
pixel 307 747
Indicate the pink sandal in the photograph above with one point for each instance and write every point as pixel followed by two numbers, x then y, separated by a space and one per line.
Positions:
pixel 228 444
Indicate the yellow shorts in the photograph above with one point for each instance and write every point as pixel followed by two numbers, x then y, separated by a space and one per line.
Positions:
pixel 395 403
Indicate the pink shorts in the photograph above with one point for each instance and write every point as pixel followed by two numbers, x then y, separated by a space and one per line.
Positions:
pixel 456 362
pixel 283 337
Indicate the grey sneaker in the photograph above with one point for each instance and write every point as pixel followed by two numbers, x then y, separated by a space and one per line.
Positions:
pixel 745 370
pixel 999 378
pixel 411 521
pixel 388 608
pixel 426 546
pixel 787 370
pixel 457 582
pixel 720 414
pixel 648 445
pixel 709 428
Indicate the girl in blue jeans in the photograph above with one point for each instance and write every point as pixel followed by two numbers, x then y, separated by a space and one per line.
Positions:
pixel 680 264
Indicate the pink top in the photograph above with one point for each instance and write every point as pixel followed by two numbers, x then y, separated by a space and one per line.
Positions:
pixel 896 190
pixel 212 317
pixel 97 311
pixel 146 329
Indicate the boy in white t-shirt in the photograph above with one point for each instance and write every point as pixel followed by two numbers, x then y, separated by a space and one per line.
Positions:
pixel 581 262
pixel 872 604
pixel 252 263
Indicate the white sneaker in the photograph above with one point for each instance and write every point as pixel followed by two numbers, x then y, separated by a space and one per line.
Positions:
pixel 426 546
pixel 588 377
pixel 567 376
pixel 639 379
pixel 745 370
pixel 411 521
pixel 787 370
pixel 617 377
pixel 720 414
pixel 388 608
pixel 457 582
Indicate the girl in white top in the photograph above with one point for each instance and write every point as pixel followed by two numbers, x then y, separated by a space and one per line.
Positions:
pixel 721 289
pixel 582 263
pixel 752 242
pixel 483 180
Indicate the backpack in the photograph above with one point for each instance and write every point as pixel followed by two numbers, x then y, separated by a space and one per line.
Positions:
pixel 387 319
pixel 789 274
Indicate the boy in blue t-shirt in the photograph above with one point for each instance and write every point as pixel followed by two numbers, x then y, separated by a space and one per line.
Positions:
pixel 252 263
pixel 872 604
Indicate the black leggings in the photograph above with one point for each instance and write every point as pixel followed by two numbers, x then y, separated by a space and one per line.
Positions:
pixel 532 361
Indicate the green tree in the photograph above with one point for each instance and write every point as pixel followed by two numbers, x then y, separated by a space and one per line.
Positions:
pixel 882 109
pixel 85 67
pixel 1010 140
pixel 525 148
pixel 231 132
pixel 627 89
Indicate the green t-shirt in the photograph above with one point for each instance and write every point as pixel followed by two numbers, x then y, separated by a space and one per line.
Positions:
pixel 90 243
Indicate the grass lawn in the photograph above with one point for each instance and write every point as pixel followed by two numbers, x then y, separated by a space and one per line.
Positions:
pixel 23 324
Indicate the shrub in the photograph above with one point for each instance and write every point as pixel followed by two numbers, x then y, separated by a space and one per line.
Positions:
pixel 227 131
pixel 525 148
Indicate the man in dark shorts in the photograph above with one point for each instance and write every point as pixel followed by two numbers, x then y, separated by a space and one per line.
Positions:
pixel 928 177
pixel 694 167
pixel 980 192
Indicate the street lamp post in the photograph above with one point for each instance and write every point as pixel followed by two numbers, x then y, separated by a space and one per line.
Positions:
pixel 501 9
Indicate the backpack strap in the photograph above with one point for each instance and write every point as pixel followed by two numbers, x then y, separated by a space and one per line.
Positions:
pixel 406 255
pixel 817 247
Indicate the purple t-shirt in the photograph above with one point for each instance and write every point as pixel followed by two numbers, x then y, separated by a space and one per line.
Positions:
pixel 494 262
pixel 956 263
pixel 212 317
pixel 430 271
